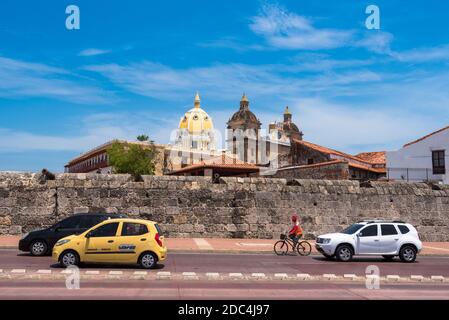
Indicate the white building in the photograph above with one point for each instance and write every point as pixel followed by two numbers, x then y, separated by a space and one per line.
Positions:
pixel 424 159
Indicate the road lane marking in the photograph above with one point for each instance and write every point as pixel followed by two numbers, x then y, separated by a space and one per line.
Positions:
pixel 281 276
pixel 416 277
pixel 202 244
pixel 212 275
pixel 303 276
pixel 236 275
pixel 190 275
pixel 329 276
pixel 44 271
pixel 351 276
pixel 393 277
pixel 258 275
pixel 116 273
pixel 92 272
pixel 18 271
pixel 437 278
pixel 163 275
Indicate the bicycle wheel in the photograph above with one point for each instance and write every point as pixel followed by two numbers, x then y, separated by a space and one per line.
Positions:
pixel 281 248
pixel 304 248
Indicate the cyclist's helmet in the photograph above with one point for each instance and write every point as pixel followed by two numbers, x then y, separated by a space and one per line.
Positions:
pixel 294 218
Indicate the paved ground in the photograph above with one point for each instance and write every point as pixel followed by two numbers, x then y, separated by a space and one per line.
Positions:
pixel 249 263
pixel 204 290
pixel 237 268
pixel 234 245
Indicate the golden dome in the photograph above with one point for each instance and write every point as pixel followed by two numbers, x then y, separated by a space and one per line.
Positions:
pixel 196 119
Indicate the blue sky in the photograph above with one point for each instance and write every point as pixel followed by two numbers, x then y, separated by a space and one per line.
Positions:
pixel 134 67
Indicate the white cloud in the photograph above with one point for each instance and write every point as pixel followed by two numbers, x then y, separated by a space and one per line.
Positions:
pixel 438 53
pixel 92 52
pixel 20 79
pixel 286 30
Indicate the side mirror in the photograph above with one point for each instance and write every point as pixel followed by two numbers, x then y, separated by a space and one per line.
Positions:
pixel 88 235
pixel 359 234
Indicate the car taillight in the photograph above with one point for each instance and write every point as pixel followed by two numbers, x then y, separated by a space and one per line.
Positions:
pixel 159 242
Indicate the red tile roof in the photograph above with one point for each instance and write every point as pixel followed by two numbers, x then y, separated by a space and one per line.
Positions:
pixel 426 136
pixel 377 157
pixel 365 162
pixel 220 162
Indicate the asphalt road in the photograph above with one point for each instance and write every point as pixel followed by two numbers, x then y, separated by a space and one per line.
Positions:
pixel 204 290
pixel 249 263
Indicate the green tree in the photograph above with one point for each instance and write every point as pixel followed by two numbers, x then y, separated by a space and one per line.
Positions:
pixel 143 137
pixel 134 159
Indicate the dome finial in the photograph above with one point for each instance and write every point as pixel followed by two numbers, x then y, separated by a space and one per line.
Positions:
pixel 197 100
pixel 287 111
pixel 244 97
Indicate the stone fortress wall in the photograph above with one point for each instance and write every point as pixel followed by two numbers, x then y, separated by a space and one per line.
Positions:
pixel 236 207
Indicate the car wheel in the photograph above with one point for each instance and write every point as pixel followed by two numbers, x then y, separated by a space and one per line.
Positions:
pixel 148 260
pixel 407 254
pixel 388 258
pixel 344 253
pixel 38 248
pixel 69 258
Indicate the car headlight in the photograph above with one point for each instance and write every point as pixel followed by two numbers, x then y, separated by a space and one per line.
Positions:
pixel 25 235
pixel 61 242
pixel 325 240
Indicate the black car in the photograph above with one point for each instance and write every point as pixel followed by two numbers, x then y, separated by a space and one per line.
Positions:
pixel 41 242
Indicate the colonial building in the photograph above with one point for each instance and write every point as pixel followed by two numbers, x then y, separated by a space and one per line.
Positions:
pixel 194 141
pixel 424 159
pixel 96 160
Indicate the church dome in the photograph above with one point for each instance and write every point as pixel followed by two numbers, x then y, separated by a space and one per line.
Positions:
pixel 196 120
pixel 243 118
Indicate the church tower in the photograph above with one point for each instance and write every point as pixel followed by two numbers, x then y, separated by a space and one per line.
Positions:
pixel 243 133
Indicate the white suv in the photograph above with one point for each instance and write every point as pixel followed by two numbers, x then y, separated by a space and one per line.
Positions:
pixel 372 237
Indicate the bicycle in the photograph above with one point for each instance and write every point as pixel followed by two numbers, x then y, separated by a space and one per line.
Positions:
pixel 281 247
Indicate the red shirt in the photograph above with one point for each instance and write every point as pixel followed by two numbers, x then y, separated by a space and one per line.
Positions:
pixel 296 230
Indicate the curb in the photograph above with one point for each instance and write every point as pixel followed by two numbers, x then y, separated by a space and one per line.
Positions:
pixel 48 274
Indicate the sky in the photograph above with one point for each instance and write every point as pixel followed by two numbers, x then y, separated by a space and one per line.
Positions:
pixel 133 68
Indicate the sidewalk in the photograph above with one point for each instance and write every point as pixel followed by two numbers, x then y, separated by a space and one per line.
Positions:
pixel 233 245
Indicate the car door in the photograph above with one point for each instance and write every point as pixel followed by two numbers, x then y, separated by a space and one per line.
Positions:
pixel 63 229
pixel 101 243
pixel 133 240
pixel 389 239
pixel 368 240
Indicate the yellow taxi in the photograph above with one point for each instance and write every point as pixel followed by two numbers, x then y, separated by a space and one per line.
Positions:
pixel 125 241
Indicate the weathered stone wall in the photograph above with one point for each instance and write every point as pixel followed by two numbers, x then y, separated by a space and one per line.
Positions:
pixel 335 170
pixel 237 207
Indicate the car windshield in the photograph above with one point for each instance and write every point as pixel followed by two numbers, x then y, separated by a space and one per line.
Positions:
pixel 352 229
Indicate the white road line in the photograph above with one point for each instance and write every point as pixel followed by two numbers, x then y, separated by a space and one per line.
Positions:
pixel 416 277
pixel 92 272
pixel 235 275
pixel 393 277
pixel 212 275
pixel 44 271
pixel 329 276
pixel 202 244
pixel 437 278
pixel 116 273
pixel 140 273
pixel 18 271
pixel 281 276
pixel 303 276
pixel 258 275
pixel 190 275
pixel 350 276
pixel 163 275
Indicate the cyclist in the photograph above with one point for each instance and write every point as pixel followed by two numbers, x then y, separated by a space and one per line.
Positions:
pixel 295 232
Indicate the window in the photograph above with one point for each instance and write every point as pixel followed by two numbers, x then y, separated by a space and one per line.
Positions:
pixel 69 223
pixel 106 230
pixel 89 221
pixel 194 144
pixel 352 229
pixel 370 231
pixel 403 229
pixel 388 229
pixel 438 164
pixel 310 161
pixel 134 229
